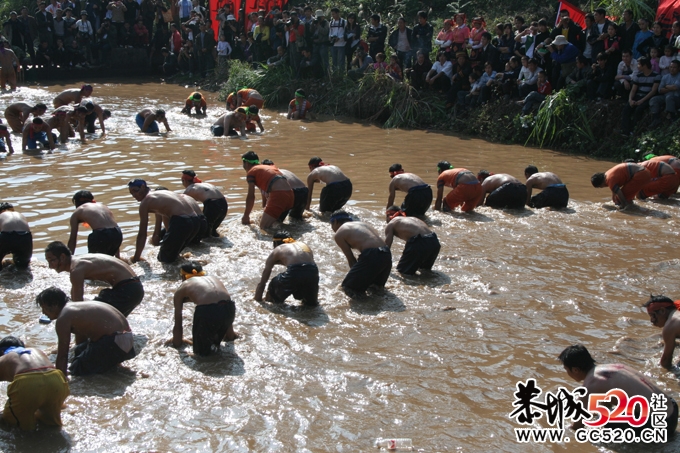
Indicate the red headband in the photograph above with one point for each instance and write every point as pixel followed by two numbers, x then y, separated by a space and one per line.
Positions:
pixel 193 179
pixel 396 214
pixel 656 306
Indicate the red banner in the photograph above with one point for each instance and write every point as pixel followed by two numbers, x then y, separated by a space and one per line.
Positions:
pixel 667 13
pixel 578 16
pixel 249 6
pixel 216 5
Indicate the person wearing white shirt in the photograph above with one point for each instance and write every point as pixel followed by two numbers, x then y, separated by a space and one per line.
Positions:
pixel 337 38
pixel 624 71
pixel 669 95
pixel 439 77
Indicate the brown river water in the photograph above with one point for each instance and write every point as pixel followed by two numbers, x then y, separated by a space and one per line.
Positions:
pixel 435 359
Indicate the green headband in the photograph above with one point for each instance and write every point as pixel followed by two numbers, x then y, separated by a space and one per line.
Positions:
pixel 298 94
pixel 650 156
pixel 251 161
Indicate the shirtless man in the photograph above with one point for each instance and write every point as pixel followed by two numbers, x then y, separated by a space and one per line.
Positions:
pixel 17 114
pixel 505 191
pixel 37 131
pixel 214 202
pixel 375 260
pixel 66 119
pixel 72 96
pixel 183 223
pixel 5 139
pixel 252 118
pixel 59 121
pixel 418 194
pixel 338 188
pixel 301 277
pixel 554 193
pixel 299 188
pixel 229 123
pixel 663 313
pixel 95 112
pixel 466 192
pixel 126 290
pixel 580 366
pixel 106 236
pixel 146 120
pixel 15 237
pixel 422 245
pixel 103 335
pixel 624 180
pixel 664 183
pixel 276 192
pixel 8 60
pixel 214 314
pixel 37 390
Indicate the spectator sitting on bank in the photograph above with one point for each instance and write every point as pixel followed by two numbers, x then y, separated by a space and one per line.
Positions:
pixel 485 83
pixel 601 79
pixel 141 34
pixel 624 71
pixel 579 76
pixel 535 98
pixel 669 95
pixel 665 61
pixel 310 66
pixel 439 77
pixel 360 64
pixel 394 70
pixel 419 71
pixel 530 78
pixel 469 98
pixel 43 55
pixel 460 79
pixel 380 66
pixel 508 79
pixel 645 86
pixel 563 54
pixel 169 62
pixel 280 59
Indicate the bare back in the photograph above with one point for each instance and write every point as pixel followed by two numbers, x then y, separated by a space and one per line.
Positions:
pixel 18 109
pixel 13 221
pixel 166 203
pixel 203 191
pixel 91 319
pixel 405 181
pixel 406 227
pixel 66 97
pixel 98 266
pixel 327 174
pixel 96 215
pixel 202 290
pixel 542 180
pixel 289 254
pixel 13 363
pixel 493 182
pixel 359 236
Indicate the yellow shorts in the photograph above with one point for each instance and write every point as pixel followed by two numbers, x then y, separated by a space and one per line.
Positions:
pixel 38 394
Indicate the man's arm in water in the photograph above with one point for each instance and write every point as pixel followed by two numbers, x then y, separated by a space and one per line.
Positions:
pixel 147 121
pixel 177 332
pixel 390 199
pixel 259 123
pixel 618 193
pixel 668 335
pixel 266 273
pixel 389 234
pixel 311 179
pixel 440 196
pixel 24 139
pixel 165 123
pixel 250 202
pixel 100 117
pixel 77 284
pixel 530 188
pixel 156 236
pixel 346 249
pixel 141 234
pixel 63 329
pixel 73 239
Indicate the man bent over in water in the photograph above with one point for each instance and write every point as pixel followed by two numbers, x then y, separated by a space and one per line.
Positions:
pixel 375 260
pixel 554 193
pixel 37 390
pixel 214 313
pixel 15 237
pixel 104 333
pixel 301 278
pixel 663 312
pixel 422 245
pixel 106 236
pixel 505 191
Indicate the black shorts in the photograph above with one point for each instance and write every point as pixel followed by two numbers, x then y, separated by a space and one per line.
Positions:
pixel 19 244
pixel 181 231
pixel 90 119
pixel 420 252
pixel 105 240
pixel 301 194
pixel 215 211
pixel 511 195
pixel 92 357
pixel 300 280
pixel 335 195
pixel 124 296
pixel 372 268
pixel 555 196
pixel 418 200
pixel 211 323
pixel 203 230
pixel 217 131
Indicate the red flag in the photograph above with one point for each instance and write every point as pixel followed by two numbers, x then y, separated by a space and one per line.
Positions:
pixel 215 6
pixel 575 13
pixel 667 13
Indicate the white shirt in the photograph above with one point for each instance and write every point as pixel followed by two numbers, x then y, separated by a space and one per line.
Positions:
pixel 223 49
pixel 447 68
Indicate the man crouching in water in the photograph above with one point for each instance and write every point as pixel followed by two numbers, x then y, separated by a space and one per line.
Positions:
pixel 103 335
pixel 422 245
pixel 375 260
pixel 301 278
pixel 663 312
pixel 214 314
pixel 37 390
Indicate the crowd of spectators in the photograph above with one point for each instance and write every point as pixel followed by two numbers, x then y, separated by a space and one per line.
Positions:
pixel 466 61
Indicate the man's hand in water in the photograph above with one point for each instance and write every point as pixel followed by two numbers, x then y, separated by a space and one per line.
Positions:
pixel 245 220
pixel 135 259
pixel 185 342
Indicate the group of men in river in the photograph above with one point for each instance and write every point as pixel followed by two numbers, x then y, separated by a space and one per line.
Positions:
pixel 102 334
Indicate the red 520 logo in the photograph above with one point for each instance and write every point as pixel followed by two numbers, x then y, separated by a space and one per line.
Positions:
pixel 624 412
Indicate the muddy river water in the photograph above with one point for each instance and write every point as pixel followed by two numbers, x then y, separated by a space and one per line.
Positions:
pixel 435 359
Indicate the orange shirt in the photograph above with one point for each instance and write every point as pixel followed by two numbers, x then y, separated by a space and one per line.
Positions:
pixel 190 102
pixel 231 100
pixel 245 94
pixel 449 178
pixel 263 176
pixel 619 175
pixel 655 167
pixel 304 108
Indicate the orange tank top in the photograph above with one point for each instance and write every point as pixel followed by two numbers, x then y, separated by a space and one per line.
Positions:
pixel 618 175
pixel 263 176
pixel 449 178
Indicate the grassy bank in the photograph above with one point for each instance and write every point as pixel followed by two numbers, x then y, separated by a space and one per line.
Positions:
pixel 565 122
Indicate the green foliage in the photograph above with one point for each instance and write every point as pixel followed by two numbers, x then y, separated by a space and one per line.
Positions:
pixel 640 8
pixel 659 141
pixel 15 5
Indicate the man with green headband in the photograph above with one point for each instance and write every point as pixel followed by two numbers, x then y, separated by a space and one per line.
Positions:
pixel 298 107
pixel 195 101
pixel 279 196
pixel 375 260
